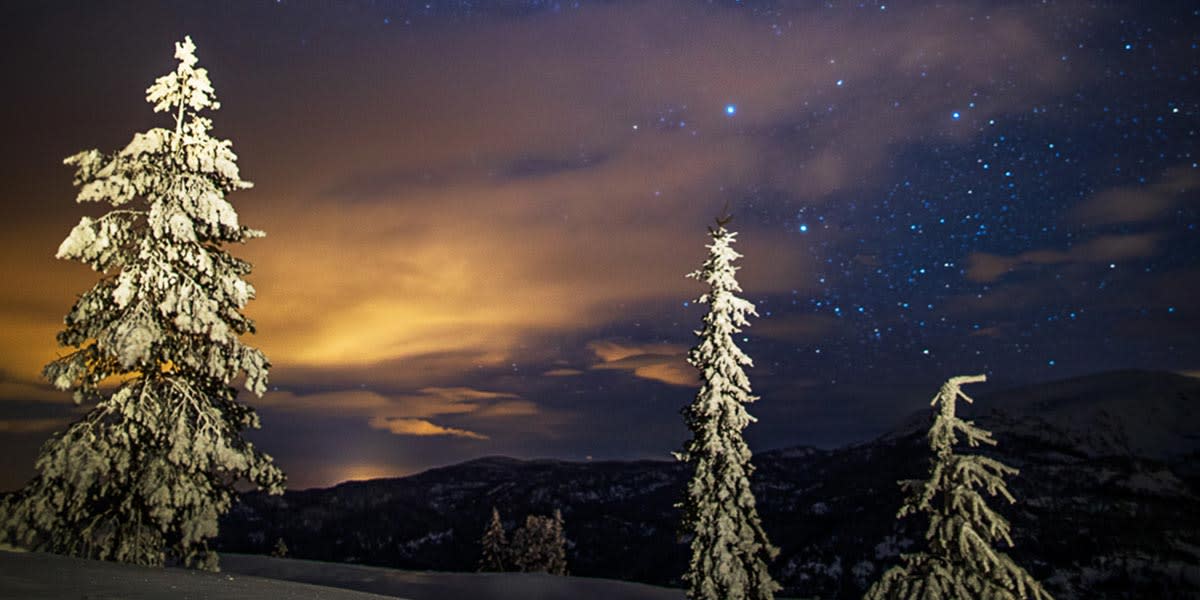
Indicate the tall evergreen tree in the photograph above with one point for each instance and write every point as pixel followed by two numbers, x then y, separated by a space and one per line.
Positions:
pixel 961 561
pixel 145 474
pixel 493 545
pixel 730 549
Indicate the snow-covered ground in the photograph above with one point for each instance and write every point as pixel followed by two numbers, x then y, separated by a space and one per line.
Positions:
pixel 35 576
pixel 426 585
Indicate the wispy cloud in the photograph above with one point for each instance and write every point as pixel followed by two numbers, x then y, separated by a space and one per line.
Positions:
pixel 1139 204
pixel 420 427
pixel 562 372
pixel 984 268
pixel 662 362
pixel 409 414
pixel 32 425
pixel 611 351
pixel 798 328
pixel 12 391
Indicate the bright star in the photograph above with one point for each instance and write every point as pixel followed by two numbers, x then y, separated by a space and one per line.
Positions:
pixel 731 109
pixel 955 115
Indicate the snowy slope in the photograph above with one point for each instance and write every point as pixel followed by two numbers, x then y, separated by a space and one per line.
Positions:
pixel 35 576
pixel 425 585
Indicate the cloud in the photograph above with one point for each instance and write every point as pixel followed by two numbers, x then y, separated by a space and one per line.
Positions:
pixel 612 351
pixel 409 413
pixel 511 408
pixel 552 211
pixel 12 391
pixel 662 362
pixel 674 372
pixel 32 425
pixel 988 332
pixel 420 427
pixel 562 372
pixel 985 268
pixel 799 328
pixel 460 394
pixel 546 166
pixel 1139 204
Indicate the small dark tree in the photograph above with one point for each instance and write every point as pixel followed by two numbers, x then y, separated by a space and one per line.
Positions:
pixel 493 544
pixel 280 550
pixel 556 563
pixel 539 546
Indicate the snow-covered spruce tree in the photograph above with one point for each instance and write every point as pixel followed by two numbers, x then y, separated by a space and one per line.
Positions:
pixel 143 477
pixel 961 561
pixel 493 545
pixel 730 550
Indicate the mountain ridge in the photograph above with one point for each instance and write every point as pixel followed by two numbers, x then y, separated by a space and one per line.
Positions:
pixel 1098 514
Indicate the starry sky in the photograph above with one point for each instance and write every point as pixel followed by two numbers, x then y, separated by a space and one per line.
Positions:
pixel 479 215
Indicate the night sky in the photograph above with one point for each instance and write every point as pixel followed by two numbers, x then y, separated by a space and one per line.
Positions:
pixel 479 215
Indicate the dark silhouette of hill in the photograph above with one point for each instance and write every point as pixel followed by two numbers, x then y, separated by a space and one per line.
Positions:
pixel 1107 503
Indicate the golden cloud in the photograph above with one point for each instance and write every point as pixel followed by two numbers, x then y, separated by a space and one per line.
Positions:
pixel 611 351
pixel 562 372
pixel 662 362
pixel 675 372
pixel 420 427
pixel 408 414
pixel 511 408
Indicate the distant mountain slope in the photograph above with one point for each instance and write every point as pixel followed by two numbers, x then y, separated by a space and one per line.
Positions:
pixel 1123 413
pixel 1107 501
